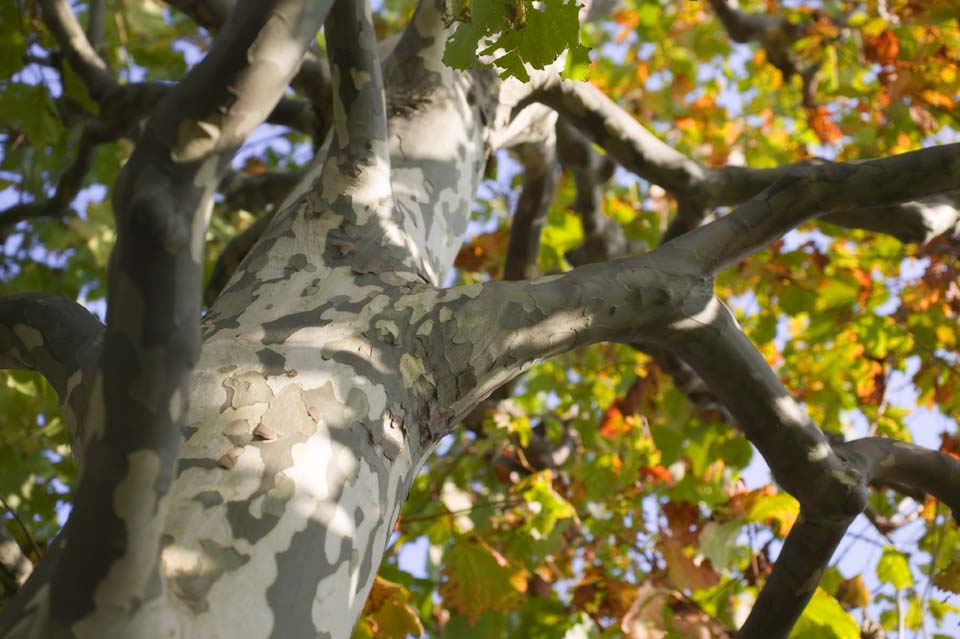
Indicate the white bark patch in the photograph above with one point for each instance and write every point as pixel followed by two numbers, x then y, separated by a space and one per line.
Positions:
pixel 196 139
pixel 360 78
pixel 237 601
pixel 789 411
pixel 93 418
pixel 177 406
pixel 819 452
pixel 205 179
pixel 703 317
pixel 31 337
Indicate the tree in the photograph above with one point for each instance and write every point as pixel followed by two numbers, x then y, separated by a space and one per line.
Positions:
pixel 242 469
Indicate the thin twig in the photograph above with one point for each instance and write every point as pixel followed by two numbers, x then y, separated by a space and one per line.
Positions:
pixel 23 527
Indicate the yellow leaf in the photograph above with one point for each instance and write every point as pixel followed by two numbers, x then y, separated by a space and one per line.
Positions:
pixel 387 615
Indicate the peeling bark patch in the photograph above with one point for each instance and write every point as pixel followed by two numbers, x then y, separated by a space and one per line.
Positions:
pixel 287 414
pixel 391 436
pixel 31 337
pixel 246 389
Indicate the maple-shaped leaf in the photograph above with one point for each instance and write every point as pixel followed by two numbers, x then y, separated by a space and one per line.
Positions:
pixel 387 615
pixel 477 579
pixel 516 34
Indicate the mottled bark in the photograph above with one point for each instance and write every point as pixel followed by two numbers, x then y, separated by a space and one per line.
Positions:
pixel 61 340
pixel 109 582
pixel 332 362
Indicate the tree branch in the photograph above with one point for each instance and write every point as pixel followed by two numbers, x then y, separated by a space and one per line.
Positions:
pixel 260 191
pixel 209 14
pixel 774 33
pixel 896 463
pixel 536 196
pixel 67 189
pixel 161 202
pixel 641 152
pixel 919 220
pixel 312 79
pixel 666 297
pixel 61 340
pixel 232 255
pixel 810 191
pixel 603 238
pixel 14 565
pixel 795 577
pixel 89 66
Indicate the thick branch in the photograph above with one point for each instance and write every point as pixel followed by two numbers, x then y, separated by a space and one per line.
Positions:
pixel 794 579
pixel 626 140
pixel 811 191
pixel 918 220
pixel 603 238
pixel 161 203
pixel 536 195
pixel 895 463
pixel 56 337
pixel 312 80
pixel 641 152
pixel 232 255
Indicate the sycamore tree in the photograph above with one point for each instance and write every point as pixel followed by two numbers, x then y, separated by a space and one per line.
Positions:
pixel 355 342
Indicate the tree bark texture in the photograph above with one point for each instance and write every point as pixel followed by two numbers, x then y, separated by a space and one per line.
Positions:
pixel 243 481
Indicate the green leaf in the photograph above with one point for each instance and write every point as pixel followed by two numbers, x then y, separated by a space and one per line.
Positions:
pixel 825 618
pixel 894 569
pixel 489 625
pixel 718 543
pixel 478 579
pixel 515 35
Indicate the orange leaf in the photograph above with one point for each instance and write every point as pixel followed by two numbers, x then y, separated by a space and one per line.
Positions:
pixel 825 128
pixel 883 48
pixel 658 474
pixel 613 423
